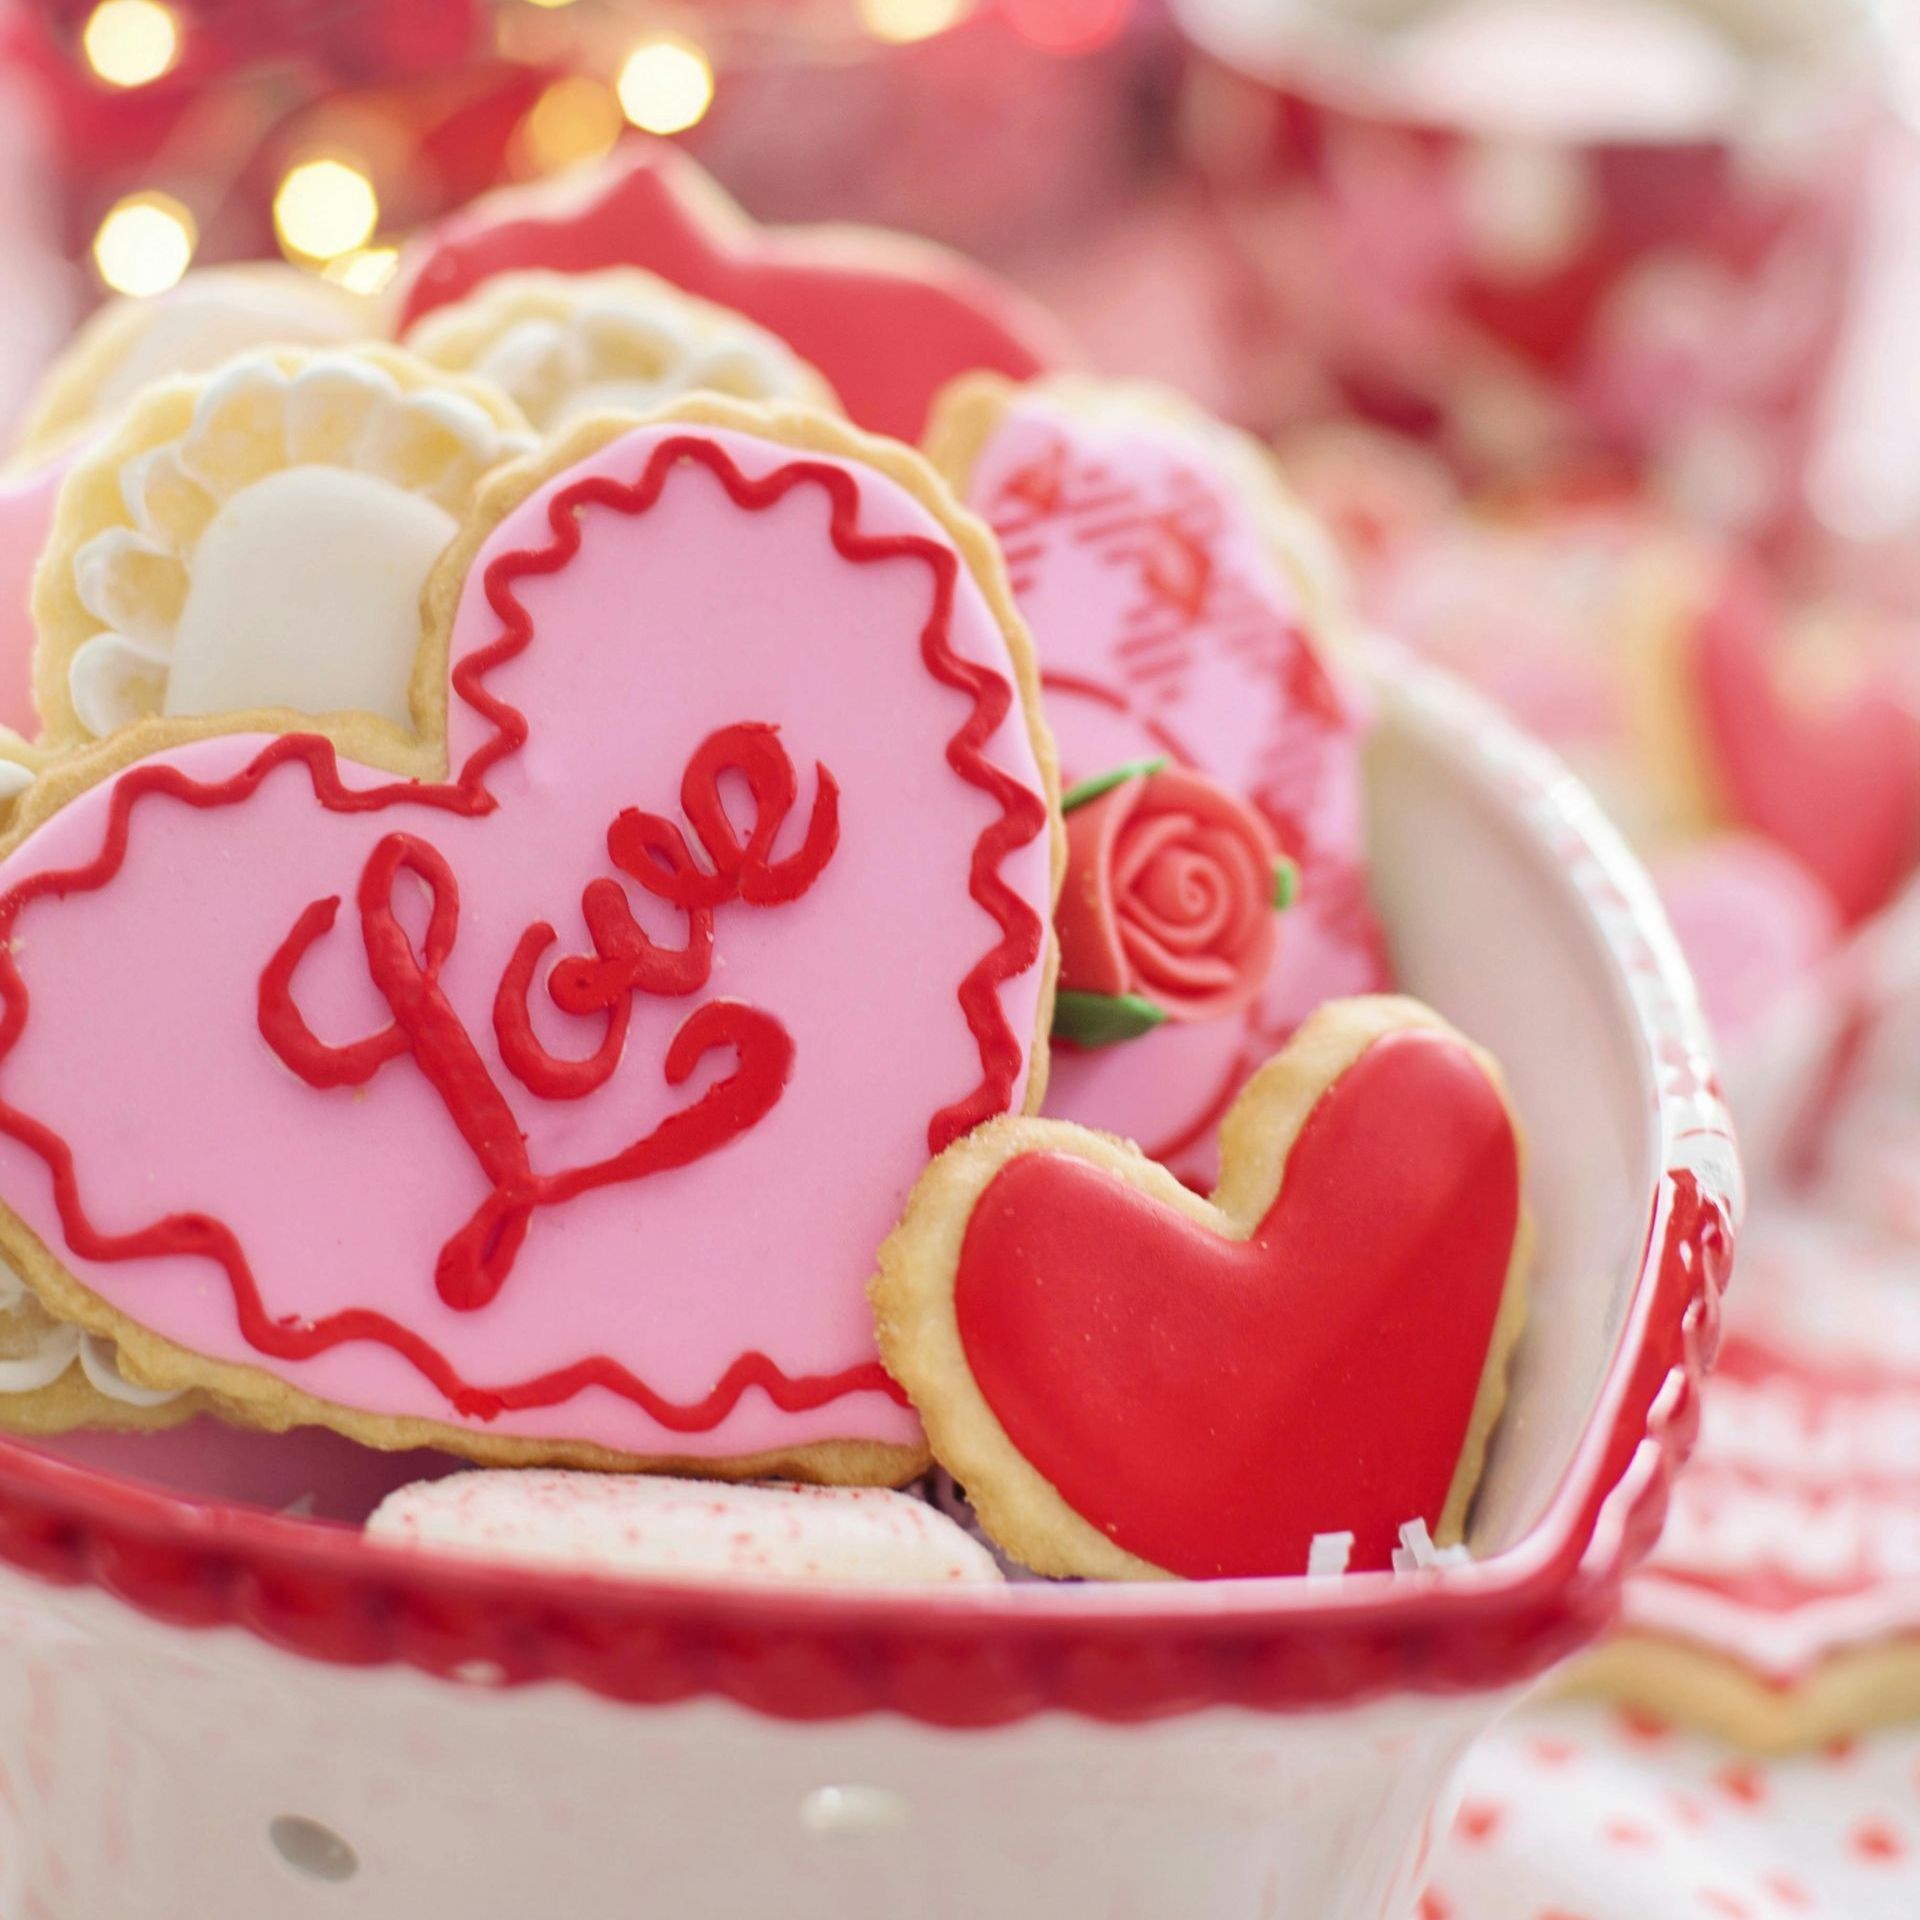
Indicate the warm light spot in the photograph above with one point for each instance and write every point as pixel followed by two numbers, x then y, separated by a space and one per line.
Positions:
pixel 1067 26
pixel 144 244
pixel 665 86
pixel 129 42
pixel 364 270
pixel 324 208
pixel 903 20
pixel 573 120
pixel 551 6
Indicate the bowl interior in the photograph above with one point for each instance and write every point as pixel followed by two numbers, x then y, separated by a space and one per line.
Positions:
pixel 1489 922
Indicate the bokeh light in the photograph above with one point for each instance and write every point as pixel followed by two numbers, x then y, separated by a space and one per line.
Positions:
pixel 144 244
pixel 574 119
pixel 666 86
pixel 130 42
pixel 1066 26
pixel 364 270
pixel 324 208
pixel 903 20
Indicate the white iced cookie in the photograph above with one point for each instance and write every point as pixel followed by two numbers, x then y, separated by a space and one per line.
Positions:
pixel 604 1523
pixel 563 345
pixel 258 539
pixel 213 314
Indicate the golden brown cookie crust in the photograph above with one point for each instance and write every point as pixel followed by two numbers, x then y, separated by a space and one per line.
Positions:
pixel 1849 1693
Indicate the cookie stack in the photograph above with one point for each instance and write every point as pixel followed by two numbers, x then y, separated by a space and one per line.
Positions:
pixel 604 858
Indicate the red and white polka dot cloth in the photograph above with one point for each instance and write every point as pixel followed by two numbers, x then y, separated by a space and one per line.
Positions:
pixel 1577 1812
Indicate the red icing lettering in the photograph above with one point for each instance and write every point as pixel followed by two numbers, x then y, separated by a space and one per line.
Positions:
pixel 655 853
pixel 475 1262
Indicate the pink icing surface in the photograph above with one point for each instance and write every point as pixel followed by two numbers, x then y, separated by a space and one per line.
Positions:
pixel 142 1048
pixel 26 518
pixel 1165 625
pixel 1753 923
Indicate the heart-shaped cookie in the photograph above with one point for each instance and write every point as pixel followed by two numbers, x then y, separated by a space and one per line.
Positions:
pixel 887 319
pixel 551 1105
pixel 1131 1381
pixel 1171 587
pixel 1836 781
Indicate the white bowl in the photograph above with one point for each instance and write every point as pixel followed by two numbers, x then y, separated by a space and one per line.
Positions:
pixel 209 1709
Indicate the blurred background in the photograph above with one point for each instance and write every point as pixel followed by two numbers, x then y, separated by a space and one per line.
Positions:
pixel 1572 317
pixel 1603 240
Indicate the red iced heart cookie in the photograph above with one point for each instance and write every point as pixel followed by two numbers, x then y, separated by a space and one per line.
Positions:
pixel 889 321
pixel 1129 1380
pixel 1837 783
pixel 549 1102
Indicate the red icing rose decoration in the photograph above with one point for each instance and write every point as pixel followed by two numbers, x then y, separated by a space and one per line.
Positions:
pixel 1170 900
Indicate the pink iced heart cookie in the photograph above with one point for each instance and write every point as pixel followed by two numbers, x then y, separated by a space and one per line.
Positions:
pixel 1173 595
pixel 1754 924
pixel 888 320
pixel 551 1105
pixel 1836 781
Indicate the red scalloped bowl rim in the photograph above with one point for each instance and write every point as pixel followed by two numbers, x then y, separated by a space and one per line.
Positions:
pixel 988 1655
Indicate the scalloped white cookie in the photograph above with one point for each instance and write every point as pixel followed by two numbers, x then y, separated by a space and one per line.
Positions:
pixel 213 314
pixel 562 346
pixel 260 538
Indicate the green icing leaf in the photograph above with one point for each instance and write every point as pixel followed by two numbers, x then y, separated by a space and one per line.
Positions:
pixel 1082 791
pixel 1103 1019
pixel 1286 884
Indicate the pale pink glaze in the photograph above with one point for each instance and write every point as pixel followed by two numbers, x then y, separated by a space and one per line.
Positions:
pixel 1165 625
pixel 599 1524
pixel 26 518
pixel 1753 922
pixel 143 1050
